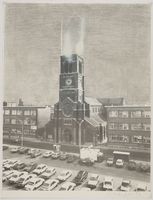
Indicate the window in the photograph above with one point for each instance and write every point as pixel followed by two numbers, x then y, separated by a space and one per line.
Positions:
pixel 137 139
pixel 123 114
pixel 13 121
pixel 113 114
pixel 27 112
pixel 6 121
pixel 123 126
pixel 146 114
pixel 33 122
pixel 67 121
pixel 13 130
pixel 27 121
pixel 146 140
pixel 80 67
pixel 13 112
pixel 19 112
pixel 113 126
pixel 26 132
pixel 146 127
pixel 19 121
pixel 19 131
pixel 7 112
pixel 136 114
pixel 136 127
pixel 119 138
pixel 33 112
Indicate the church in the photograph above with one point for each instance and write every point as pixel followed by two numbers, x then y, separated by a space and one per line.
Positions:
pixel 76 118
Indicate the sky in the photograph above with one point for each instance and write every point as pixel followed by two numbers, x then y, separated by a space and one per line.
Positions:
pixel 116 52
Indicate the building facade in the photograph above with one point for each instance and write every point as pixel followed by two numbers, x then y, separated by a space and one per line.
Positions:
pixel 129 125
pixel 18 120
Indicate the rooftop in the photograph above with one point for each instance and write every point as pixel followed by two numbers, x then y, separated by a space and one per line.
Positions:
pixel 92 101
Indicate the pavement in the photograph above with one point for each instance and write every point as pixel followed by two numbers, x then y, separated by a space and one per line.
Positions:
pixel 99 168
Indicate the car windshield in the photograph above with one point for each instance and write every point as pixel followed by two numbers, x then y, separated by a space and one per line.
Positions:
pixel 79 174
pixel 21 179
pixel 46 184
pixel 107 182
pixel 62 173
pixel 93 178
pixel 31 183
pixel 125 184
pixel 15 176
pixel 39 167
pixel 48 171
pixel 63 188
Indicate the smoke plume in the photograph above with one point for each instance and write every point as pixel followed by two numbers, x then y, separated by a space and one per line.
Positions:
pixel 73 36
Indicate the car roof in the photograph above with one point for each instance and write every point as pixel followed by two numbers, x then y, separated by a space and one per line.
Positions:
pixel 125 181
pixel 66 184
pixel 119 160
pixel 35 179
pixel 51 180
pixel 107 178
pixel 50 168
pixel 94 175
pixel 40 165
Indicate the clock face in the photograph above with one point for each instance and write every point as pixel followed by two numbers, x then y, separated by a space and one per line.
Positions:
pixel 68 81
pixel 67 109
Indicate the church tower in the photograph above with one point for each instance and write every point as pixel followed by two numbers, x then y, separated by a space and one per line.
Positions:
pixel 70 110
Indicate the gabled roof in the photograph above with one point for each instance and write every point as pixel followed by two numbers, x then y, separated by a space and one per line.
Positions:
pixel 95 120
pixel 92 101
pixel 111 101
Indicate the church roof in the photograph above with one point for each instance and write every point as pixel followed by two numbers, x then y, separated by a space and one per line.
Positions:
pixel 111 101
pixel 95 120
pixel 92 101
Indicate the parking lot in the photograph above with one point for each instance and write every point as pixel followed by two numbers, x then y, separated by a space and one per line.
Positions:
pixel 118 174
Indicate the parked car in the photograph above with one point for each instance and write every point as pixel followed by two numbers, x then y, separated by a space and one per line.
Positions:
pixel 64 175
pixel 70 159
pixel 80 177
pixel 132 165
pixel 40 169
pixel 49 185
pixel 7 174
pixel 48 173
pixel 68 186
pixel 125 185
pixel 5 161
pixel 14 149
pixel 36 153
pixel 30 151
pixel 100 157
pixel 93 181
pixel 34 184
pixel 19 165
pixel 141 187
pixel 15 177
pixel 85 189
pixel 30 167
pixel 86 161
pixel 48 154
pixel 63 156
pixel 24 179
pixel 10 164
pixel 55 155
pixel 110 162
pixel 23 150
pixel 107 184
pixel 144 167
pixel 5 147
pixel 119 163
